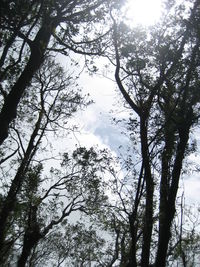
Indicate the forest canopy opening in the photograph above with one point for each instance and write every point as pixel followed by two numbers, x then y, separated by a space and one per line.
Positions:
pixel 143 12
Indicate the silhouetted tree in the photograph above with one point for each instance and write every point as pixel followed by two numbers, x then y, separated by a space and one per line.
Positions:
pixel 157 73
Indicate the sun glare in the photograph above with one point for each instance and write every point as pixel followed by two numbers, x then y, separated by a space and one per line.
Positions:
pixel 144 12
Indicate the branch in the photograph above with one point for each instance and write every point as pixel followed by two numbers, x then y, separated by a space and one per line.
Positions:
pixel 75 50
pixel 117 76
pixel 9 156
pixel 66 212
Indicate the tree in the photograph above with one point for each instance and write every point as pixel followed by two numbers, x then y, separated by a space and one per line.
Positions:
pixel 46 107
pixel 76 188
pixel 31 30
pixel 185 242
pixel 157 75
pixel 73 245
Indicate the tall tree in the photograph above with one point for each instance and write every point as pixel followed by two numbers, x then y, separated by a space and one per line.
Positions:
pixel 52 99
pixel 157 75
pixel 30 30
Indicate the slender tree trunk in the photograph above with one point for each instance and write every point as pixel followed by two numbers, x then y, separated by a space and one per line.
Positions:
pixel 132 253
pixel 30 241
pixel 168 210
pixel 10 201
pixel 31 237
pixel 148 219
pixel 164 221
pixel 38 48
pixel 133 219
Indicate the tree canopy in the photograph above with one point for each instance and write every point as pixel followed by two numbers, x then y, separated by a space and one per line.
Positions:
pixel 89 206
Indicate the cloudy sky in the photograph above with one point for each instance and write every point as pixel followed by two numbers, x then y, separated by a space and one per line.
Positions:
pixel 97 128
pixel 95 123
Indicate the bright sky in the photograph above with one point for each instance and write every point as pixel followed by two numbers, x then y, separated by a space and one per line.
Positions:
pixel 95 122
pixel 144 12
pixel 97 128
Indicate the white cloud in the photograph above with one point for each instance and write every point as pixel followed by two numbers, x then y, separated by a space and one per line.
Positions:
pixel 192 189
pixel 95 127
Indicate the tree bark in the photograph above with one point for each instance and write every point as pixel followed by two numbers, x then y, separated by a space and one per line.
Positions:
pixel 132 253
pixel 9 202
pixel 168 210
pixel 38 48
pixel 148 220
pixel 31 237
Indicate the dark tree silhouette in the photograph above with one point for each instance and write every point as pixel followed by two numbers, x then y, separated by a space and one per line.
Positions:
pixel 157 75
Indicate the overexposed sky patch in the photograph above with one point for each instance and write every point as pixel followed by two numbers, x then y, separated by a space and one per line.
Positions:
pixel 192 189
pixel 144 12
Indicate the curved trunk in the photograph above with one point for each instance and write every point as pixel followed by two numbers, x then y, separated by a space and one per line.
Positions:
pixel 38 48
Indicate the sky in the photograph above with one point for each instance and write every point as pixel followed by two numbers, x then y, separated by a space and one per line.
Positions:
pixel 144 12
pixel 97 128
pixel 95 123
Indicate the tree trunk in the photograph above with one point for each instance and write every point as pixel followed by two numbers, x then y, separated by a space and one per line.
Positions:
pixel 9 202
pixel 38 48
pixel 148 220
pixel 30 241
pixel 132 254
pixel 168 210
pixel 31 237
